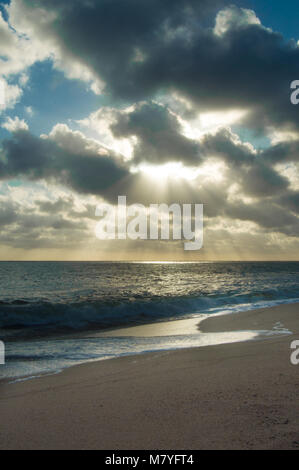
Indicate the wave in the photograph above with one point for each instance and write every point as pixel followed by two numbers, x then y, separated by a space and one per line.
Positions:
pixel 20 318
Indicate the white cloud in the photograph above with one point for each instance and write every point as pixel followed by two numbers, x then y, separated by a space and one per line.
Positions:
pixel 18 52
pixel 2 93
pixel 16 124
pixel 9 95
pixel 100 122
pixel 38 42
pixel 76 142
pixel 29 110
pixel 24 79
pixel 233 17
pixel 25 40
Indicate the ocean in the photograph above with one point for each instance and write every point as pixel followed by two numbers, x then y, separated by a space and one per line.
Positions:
pixel 52 314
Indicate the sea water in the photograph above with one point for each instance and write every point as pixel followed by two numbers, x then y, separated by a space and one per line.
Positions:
pixel 51 313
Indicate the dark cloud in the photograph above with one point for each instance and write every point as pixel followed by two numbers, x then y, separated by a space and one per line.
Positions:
pixel 283 152
pixel 267 215
pixel 232 151
pixel 159 135
pixel 250 169
pixel 67 158
pixel 83 169
pixel 141 48
pixel 290 201
pixel 66 205
pixel 59 205
pixel 39 225
pixel 261 180
pixel 144 51
pixel 160 140
pixel 7 214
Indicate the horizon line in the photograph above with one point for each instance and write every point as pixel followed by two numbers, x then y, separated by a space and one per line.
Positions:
pixel 153 261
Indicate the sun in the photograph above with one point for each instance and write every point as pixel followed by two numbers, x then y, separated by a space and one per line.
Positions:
pixel 167 171
pixel 177 171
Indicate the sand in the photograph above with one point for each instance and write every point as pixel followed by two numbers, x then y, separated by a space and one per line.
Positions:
pixel 231 396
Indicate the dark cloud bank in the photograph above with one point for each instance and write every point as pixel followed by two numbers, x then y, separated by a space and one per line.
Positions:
pixel 140 48
pixel 145 49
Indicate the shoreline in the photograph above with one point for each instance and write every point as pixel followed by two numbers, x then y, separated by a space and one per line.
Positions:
pixel 230 396
pixel 172 328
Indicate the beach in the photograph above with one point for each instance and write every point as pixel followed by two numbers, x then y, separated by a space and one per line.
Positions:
pixel 242 395
pixel 149 226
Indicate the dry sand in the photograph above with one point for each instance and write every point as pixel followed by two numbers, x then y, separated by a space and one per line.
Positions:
pixel 231 396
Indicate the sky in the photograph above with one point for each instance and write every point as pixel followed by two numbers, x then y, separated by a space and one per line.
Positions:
pixel 163 101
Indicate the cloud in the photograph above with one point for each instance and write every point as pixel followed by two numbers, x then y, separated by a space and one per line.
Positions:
pixel 176 75
pixel 65 157
pixel 290 201
pixel 27 227
pixel 18 53
pixel 16 124
pixel 9 95
pixel 29 110
pixel 158 132
pixel 283 152
pixel 35 41
pixel 136 51
pixel 88 166
pixel 233 17
pixel 267 215
pixel 106 42
pixel 8 214
pixel 160 139
pixel 250 169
